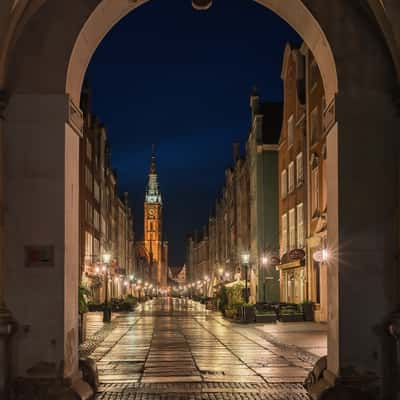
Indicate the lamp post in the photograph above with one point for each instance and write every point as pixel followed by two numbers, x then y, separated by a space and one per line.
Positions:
pixel 245 263
pixel 264 263
pixel 106 310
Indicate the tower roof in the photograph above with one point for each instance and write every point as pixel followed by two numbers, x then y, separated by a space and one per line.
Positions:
pixel 153 194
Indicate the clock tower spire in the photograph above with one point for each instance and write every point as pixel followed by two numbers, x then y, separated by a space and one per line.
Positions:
pixel 153 239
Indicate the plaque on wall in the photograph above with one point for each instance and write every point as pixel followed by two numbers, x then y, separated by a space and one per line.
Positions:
pixel 39 256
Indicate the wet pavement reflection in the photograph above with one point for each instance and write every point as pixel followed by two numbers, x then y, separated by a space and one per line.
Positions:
pixel 174 348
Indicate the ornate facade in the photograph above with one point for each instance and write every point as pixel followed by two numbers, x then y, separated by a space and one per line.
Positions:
pixel 155 248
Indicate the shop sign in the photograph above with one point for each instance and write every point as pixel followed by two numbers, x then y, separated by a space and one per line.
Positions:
pixel 39 256
pixel 297 254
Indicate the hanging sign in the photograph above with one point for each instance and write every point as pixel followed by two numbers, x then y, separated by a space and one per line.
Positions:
pixel 274 260
pixel 297 254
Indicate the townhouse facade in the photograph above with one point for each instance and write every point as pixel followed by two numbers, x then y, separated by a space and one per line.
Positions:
pixel 245 218
pixel 302 185
pixel 106 220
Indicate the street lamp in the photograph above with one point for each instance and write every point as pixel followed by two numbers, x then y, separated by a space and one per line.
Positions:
pixel 264 262
pixel 106 310
pixel 245 262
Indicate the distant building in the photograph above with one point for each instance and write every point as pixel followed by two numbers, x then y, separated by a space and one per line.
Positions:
pixel 153 251
pixel 245 218
pixel 262 164
pixel 106 220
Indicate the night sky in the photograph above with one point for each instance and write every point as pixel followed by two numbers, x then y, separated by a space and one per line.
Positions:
pixel 181 79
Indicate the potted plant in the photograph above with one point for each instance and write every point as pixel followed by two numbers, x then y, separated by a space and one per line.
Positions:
pixel 83 293
pixel 247 312
pixel 308 310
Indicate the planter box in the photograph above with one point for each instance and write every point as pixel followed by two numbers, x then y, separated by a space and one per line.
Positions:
pixel 247 314
pixel 308 311
pixel 266 318
pixel 291 317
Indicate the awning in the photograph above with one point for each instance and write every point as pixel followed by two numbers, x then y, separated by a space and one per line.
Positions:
pixel 234 283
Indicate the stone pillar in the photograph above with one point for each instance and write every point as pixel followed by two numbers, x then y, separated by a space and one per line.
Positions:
pixel 7 324
pixel 363 152
pixel 41 234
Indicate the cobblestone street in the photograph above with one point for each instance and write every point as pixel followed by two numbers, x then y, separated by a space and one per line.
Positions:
pixel 174 349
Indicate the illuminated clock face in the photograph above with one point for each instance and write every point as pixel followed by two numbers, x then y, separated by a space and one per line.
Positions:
pixel 152 212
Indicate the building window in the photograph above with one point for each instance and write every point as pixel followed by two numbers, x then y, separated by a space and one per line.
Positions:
pixel 88 149
pixel 314 125
pixel 315 192
pixel 96 191
pixel 284 234
pixel 103 226
pixel 290 130
pixel 88 178
pixel 291 177
pixel 300 226
pixel 89 212
pixel 88 246
pixel 284 184
pixel 299 169
pixel 292 229
pixel 96 219
pixel 96 248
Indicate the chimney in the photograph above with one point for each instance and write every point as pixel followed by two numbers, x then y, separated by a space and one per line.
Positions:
pixel 236 151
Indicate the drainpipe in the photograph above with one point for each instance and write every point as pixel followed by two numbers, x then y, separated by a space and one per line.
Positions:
pixel 7 323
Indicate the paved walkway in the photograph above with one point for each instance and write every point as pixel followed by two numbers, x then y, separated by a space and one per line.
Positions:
pixel 175 349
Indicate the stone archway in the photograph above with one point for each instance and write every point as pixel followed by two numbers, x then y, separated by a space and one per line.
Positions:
pixel 48 51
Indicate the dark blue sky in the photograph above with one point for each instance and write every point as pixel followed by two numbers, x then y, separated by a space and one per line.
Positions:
pixel 181 79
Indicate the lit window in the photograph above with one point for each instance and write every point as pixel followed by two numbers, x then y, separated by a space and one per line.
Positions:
pixel 292 229
pixel 284 240
pixel 290 130
pixel 299 169
pixel 291 177
pixel 300 226
pixel 284 183
pixel 88 246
